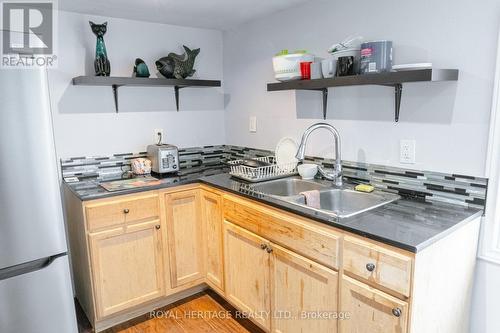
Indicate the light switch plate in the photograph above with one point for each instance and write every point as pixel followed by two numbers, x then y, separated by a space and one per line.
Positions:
pixel 407 151
pixel 252 126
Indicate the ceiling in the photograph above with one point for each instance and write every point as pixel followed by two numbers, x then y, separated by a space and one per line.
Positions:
pixel 214 14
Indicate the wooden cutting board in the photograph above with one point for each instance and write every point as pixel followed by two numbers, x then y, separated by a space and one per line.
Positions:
pixel 127 184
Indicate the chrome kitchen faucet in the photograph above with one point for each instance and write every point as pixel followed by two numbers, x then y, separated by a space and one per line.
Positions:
pixel 336 176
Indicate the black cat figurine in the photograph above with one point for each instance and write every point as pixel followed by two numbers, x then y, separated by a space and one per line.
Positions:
pixel 101 63
pixel 176 65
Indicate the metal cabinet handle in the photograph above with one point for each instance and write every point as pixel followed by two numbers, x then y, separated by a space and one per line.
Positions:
pixel 396 312
pixel 157 227
pixel 370 267
pixel 126 210
pixel 269 250
pixel 263 246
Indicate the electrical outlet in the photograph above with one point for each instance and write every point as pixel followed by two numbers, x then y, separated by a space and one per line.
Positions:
pixel 158 135
pixel 252 126
pixel 407 151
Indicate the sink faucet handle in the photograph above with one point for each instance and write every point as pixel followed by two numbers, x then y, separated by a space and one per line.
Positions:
pixel 327 175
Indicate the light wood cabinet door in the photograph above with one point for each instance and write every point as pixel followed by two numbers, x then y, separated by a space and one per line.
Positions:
pixel 127 266
pixel 211 209
pixel 247 273
pixel 304 294
pixel 185 237
pixel 371 310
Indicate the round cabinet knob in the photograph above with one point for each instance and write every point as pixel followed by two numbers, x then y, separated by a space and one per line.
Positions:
pixel 157 227
pixel 126 210
pixel 370 267
pixel 269 250
pixel 263 246
pixel 396 312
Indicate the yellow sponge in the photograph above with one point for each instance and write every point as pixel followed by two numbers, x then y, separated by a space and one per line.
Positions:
pixel 364 188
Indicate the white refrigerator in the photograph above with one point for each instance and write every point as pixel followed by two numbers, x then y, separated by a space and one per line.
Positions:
pixel 35 285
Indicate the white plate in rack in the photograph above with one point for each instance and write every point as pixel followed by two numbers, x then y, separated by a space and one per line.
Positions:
pixel 285 152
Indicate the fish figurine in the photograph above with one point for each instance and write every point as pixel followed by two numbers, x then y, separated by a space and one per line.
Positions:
pixel 179 66
pixel 140 68
pixel 165 66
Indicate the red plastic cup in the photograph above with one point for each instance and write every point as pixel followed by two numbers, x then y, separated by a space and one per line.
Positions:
pixel 305 70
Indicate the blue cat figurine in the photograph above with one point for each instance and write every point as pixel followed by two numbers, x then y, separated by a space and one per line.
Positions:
pixel 101 63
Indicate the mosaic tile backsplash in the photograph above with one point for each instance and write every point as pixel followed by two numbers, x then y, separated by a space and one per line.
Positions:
pixel 420 185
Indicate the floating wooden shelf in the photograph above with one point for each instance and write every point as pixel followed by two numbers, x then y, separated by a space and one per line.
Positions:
pixel 115 82
pixel 391 79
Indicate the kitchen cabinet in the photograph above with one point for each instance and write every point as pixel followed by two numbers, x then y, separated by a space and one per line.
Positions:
pixel 306 237
pixel 304 294
pixel 247 272
pixel 127 266
pixel 281 290
pixel 135 253
pixel 375 279
pixel 184 237
pixel 211 210
pixel 371 310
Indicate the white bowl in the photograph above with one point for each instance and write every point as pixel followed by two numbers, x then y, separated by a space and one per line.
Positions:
pixel 307 171
pixel 287 67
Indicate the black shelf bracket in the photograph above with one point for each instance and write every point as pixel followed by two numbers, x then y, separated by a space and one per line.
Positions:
pixel 325 101
pixel 176 91
pixel 115 95
pixel 398 91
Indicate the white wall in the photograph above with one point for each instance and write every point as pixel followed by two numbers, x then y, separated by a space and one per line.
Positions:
pixel 449 121
pixel 84 118
pixel 486 301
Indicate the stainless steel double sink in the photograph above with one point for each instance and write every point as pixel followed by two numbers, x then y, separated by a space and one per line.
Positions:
pixel 338 202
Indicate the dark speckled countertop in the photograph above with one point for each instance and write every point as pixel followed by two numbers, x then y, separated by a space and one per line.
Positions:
pixel 89 188
pixel 407 224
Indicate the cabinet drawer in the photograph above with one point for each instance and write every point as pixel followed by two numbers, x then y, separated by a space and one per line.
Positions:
pixel 371 310
pixel 110 213
pixel 302 236
pixel 377 265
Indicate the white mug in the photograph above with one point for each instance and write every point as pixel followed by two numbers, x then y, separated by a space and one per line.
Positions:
pixel 328 67
pixel 316 70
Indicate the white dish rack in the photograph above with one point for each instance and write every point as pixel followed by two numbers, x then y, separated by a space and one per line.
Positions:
pixel 262 173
